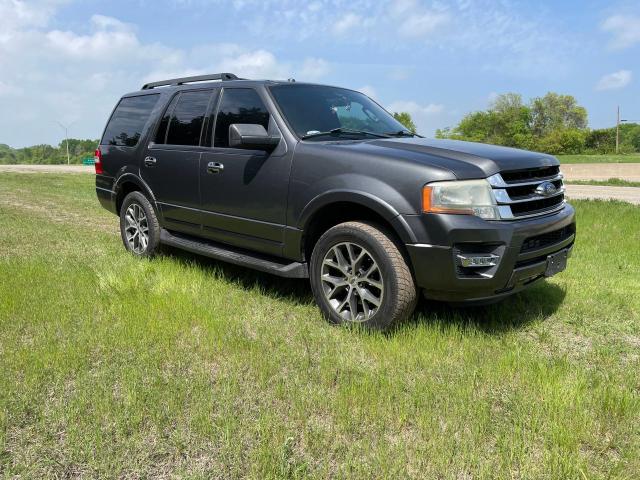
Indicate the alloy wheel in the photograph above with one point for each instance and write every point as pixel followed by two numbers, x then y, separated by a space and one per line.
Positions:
pixel 352 282
pixel 136 228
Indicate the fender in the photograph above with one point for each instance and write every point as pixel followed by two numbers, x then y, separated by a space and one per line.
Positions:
pixel 382 208
pixel 133 178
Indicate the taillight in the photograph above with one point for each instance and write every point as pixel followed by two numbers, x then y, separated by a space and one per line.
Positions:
pixel 97 158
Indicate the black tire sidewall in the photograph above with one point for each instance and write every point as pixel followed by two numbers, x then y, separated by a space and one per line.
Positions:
pixel 152 222
pixel 385 316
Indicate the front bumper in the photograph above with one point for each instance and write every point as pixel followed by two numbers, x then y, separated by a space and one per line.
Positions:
pixel 442 237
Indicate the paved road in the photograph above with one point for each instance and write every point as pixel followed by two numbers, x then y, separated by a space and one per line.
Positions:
pixel 602 171
pixel 627 194
pixel 48 168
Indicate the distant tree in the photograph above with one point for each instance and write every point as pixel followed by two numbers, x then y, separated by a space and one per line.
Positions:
pixel 554 112
pixel 601 141
pixel 47 154
pixel 506 122
pixel 630 136
pixel 554 123
pixel 564 141
pixel 405 119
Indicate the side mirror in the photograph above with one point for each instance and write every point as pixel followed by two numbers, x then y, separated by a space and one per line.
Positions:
pixel 252 136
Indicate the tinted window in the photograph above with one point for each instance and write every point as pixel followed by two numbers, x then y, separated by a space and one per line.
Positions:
pixel 128 120
pixel 187 118
pixel 161 135
pixel 239 105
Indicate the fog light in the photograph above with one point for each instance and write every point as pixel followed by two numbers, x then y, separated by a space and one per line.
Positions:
pixel 480 260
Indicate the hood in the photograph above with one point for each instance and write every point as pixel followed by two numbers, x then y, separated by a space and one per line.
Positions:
pixel 463 159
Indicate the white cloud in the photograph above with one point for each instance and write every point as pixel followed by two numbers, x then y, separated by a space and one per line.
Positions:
pixel 615 80
pixel 427 117
pixel 419 25
pixel 86 72
pixel 258 64
pixel 368 90
pixel 346 23
pixel 15 14
pixel 416 108
pixel 314 68
pixel 625 30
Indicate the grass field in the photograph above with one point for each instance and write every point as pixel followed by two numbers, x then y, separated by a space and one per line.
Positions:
pixel 611 182
pixel 631 158
pixel 184 367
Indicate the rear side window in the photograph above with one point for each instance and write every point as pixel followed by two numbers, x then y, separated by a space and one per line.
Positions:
pixel 184 118
pixel 161 135
pixel 239 105
pixel 128 120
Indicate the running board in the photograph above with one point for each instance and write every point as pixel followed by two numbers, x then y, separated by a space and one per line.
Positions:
pixel 236 256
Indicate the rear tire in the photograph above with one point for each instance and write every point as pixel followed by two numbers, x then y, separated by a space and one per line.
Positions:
pixel 359 276
pixel 139 226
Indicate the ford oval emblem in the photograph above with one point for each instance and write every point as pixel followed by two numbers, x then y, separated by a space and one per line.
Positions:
pixel 546 189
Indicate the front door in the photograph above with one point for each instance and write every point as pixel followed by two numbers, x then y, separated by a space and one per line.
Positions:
pixel 171 164
pixel 244 192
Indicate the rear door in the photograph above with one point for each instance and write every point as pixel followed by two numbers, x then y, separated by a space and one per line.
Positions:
pixel 171 163
pixel 244 200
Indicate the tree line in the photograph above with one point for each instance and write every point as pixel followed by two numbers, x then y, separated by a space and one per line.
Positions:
pixel 79 149
pixel 553 124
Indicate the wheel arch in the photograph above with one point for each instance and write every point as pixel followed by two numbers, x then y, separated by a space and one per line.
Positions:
pixel 337 207
pixel 128 183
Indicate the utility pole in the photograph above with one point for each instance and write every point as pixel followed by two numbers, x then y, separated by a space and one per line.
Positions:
pixel 66 138
pixel 618 131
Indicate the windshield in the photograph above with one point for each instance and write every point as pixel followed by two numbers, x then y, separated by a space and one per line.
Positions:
pixel 314 109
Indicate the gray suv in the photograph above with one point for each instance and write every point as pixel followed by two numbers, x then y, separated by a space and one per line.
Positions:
pixel 312 181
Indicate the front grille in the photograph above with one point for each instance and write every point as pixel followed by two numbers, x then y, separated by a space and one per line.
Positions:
pixel 518 196
pixel 517 176
pixel 524 191
pixel 533 206
pixel 550 238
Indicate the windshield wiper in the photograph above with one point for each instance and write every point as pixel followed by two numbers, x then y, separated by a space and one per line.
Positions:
pixel 337 131
pixel 402 133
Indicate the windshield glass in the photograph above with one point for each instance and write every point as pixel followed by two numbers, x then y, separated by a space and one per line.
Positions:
pixel 312 109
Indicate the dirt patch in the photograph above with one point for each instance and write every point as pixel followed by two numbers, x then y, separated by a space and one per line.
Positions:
pixel 47 169
pixel 598 192
pixel 601 171
pixel 52 212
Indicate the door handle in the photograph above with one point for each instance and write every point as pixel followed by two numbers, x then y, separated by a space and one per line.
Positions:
pixel 150 161
pixel 214 167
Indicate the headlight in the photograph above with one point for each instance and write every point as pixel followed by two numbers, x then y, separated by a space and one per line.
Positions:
pixel 466 197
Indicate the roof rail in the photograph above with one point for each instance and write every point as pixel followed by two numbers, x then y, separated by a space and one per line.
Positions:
pixel 197 78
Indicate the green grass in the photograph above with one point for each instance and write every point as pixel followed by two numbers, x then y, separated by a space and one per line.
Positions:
pixel 630 158
pixel 612 182
pixel 113 367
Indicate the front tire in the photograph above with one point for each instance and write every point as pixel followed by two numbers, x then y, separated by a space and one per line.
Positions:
pixel 139 226
pixel 359 276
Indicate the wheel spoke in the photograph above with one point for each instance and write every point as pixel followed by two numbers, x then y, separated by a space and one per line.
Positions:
pixel 353 303
pixel 344 264
pixel 351 254
pixel 365 304
pixel 367 296
pixel 333 264
pixel 335 281
pixel 374 283
pixel 358 261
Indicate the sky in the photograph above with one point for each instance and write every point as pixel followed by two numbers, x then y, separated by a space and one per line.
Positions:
pixel 69 61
